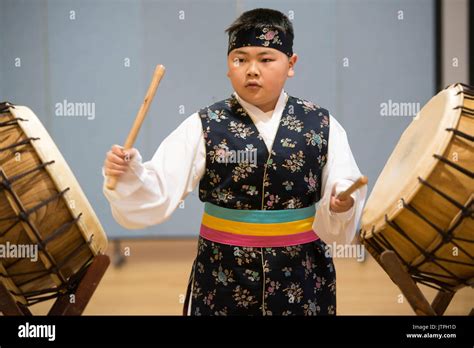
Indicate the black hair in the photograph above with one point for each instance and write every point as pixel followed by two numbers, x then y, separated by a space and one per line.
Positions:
pixel 260 18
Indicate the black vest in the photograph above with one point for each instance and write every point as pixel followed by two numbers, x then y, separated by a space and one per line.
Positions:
pixel 242 174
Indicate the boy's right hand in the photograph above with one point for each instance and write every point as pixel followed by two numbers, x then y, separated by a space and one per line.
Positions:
pixel 118 160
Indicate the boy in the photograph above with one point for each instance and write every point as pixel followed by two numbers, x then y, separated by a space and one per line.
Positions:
pixel 263 159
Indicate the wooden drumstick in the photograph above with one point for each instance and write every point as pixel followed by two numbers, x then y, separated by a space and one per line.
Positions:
pixel 363 180
pixel 132 135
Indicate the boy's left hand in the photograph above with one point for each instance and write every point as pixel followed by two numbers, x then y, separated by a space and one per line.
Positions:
pixel 340 206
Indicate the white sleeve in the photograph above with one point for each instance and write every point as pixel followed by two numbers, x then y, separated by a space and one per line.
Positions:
pixel 148 193
pixel 338 174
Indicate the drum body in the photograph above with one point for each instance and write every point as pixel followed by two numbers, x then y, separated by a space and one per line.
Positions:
pixel 42 207
pixel 421 206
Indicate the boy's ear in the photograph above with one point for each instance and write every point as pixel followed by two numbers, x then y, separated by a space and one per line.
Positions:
pixel 292 61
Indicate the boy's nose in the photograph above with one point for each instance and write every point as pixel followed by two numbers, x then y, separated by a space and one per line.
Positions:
pixel 252 70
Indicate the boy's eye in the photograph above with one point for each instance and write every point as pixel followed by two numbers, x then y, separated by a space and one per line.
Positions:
pixel 238 61
pixel 266 60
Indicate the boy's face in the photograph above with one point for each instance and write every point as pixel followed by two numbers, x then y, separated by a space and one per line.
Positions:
pixel 258 74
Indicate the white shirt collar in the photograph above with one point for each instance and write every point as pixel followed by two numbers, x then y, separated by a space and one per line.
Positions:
pixel 255 111
pixel 266 123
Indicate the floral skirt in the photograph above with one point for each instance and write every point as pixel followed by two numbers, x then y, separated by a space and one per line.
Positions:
pixel 233 280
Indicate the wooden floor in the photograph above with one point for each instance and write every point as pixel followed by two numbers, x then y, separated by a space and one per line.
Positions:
pixel 153 280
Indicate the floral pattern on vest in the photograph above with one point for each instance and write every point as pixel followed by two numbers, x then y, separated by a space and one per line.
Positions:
pixel 240 171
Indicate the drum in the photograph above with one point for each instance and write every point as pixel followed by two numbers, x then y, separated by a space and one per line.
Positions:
pixel 49 233
pixel 421 206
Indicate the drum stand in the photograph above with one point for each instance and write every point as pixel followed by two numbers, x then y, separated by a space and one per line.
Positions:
pixel 82 292
pixel 418 302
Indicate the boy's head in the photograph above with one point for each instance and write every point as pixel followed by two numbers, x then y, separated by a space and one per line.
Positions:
pixel 260 56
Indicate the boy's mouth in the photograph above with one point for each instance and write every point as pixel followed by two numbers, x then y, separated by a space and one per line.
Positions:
pixel 253 85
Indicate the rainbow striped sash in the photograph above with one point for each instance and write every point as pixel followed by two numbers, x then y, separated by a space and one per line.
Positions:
pixel 258 228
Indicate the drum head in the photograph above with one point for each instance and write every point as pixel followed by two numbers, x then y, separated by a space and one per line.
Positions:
pixel 42 206
pixel 412 158
pixel 63 178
